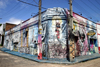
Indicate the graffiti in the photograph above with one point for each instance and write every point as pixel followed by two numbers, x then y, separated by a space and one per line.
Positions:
pixel 92 39
pixel 0 38
pixel 82 38
pixel 44 40
pixel 24 37
pixel 16 40
pixel 33 38
pixel 81 44
pixel 57 51
pixel 57 38
pixel 24 50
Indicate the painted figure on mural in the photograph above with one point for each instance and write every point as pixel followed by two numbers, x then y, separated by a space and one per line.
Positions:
pixel 36 40
pixel 81 47
pixel 82 38
pixel 57 30
pixel 24 37
pixel 33 32
pixel 33 46
pixel 57 40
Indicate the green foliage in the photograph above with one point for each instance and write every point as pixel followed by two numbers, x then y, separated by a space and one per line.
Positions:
pixel 0 24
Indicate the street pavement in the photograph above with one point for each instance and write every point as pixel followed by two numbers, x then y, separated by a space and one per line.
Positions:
pixel 8 60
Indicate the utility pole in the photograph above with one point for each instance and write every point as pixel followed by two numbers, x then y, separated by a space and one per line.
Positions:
pixel 71 38
pixel 71 14
pixel 39 34
pixel 39 13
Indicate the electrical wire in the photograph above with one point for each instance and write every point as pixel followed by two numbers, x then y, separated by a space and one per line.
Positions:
pixel 90 7
pixel 13 8
pixel 31 4
pixel 82 9
pixel 97 2
pixel 15 12
pixel 94 4
pixel 35 2
pixel 34 5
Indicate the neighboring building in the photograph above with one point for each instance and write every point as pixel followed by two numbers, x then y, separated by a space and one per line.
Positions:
pixel 3 28
pixel 0 24
pixel 98 35
pixel 1 33
pixel 8 26
pixel 56 36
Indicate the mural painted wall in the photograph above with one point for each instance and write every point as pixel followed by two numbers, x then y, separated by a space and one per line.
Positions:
pixel 56 32
pixel 24 38
pixel 15 37
pixel 16 40
pixel 57 39
pixel 85 36
pixel 29 32
pixel 12 38
pixel 92 37
pixel 8 40
pixel 79 30
pixel 33 39
pixel 24 47
pixel 98 36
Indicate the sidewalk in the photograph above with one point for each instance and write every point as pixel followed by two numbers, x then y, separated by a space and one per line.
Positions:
pixel 63 61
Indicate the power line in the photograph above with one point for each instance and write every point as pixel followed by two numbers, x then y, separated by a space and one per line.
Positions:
pixel 16 12
pixel 79 7
pixel 90 7
pixel 97 2
pixel 35 1
pixel 26 13
pixel 31 4
pixel 34 5
pixel 82 9
pixel 10 9
pixel 94 4
pixel 46 8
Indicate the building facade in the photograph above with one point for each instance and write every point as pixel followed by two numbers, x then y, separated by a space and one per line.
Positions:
pixel 55 36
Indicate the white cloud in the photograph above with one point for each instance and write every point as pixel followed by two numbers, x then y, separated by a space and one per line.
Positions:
pixel 3 3
pixel 14 21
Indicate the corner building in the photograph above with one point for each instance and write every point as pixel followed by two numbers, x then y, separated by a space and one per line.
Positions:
pixel 55 36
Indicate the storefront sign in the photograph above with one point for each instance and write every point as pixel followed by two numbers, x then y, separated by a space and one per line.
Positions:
pixel 91 33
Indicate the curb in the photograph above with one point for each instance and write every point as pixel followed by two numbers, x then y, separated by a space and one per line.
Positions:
pixel 34 58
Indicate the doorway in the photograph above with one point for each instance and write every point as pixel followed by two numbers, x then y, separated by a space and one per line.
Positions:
pixel 93 46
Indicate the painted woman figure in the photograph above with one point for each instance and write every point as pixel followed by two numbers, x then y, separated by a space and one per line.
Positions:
pixel 82 37
pixel 24 37
pixel 57 30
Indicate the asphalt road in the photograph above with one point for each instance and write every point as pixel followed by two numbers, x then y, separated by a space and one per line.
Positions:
pixel 7 60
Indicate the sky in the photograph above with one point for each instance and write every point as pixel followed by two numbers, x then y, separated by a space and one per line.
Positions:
pixel 13 11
